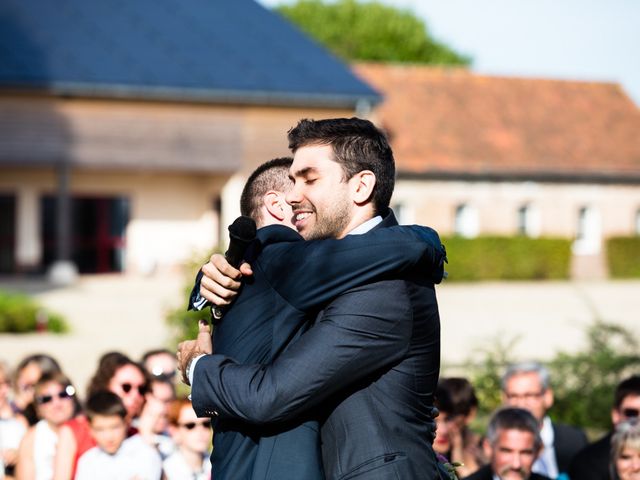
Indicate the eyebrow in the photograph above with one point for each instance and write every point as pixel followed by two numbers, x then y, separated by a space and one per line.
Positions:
pixel 302 172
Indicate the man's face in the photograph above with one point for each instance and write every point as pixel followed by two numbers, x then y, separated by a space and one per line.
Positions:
pixel 109 431
pixel 629 408
pixel 513 454
pixel 320 195
pixel 524 390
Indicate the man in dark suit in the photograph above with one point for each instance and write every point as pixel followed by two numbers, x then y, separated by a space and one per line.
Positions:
pixel 592 462
pixel 270 313
pixel 526 385
pixel 369 366
pixel 512 443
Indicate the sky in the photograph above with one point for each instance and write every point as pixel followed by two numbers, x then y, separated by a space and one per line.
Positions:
pixel 591 40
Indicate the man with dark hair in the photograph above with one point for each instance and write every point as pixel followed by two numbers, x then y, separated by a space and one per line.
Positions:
pixel 592 462
pixel 369 365
pixel 527 385
pixel 512 443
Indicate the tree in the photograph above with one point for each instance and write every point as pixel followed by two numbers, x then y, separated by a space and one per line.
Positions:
pixel 370 31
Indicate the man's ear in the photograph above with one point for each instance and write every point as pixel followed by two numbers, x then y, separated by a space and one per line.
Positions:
pixel 486 447
pixel 273 201
pixel 363 184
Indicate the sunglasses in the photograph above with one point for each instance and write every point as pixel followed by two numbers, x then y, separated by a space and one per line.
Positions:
pixel 68 392
pixel 192 425
pixel 127 387
pixel 631 412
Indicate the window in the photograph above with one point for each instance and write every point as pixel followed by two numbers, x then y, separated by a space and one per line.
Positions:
pixel 588 232
pixel 528 221
pixel 466 221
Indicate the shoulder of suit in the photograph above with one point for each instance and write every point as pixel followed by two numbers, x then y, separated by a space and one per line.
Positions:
pixel 277 233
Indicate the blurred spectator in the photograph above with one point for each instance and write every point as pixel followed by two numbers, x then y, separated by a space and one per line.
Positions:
pixel 116 373
pixel 55 404
pixel 26 375
pixel 526 385
pixel 12 429
pixel 161 363
pixel 154 414
pixel 192 436
pixel 115 456
pixel 625 451
pixel 592 462
pixel 457 403
pixel 512 443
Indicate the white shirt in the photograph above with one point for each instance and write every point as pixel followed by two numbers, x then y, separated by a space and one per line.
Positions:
pixel 176 468
pixel 546 463
pixel 45 441
pixel 359 230
pixel 134 458
pixel 11 432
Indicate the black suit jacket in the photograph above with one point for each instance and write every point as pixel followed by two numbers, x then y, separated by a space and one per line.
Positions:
pixel 368 367
pixel 292 277
pixel 567 441
pixel 485 473
pixel 592 462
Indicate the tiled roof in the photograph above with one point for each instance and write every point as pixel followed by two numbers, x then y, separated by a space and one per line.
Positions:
pixel 233 51
pixel 451 122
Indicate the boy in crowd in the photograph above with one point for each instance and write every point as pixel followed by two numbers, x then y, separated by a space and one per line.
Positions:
pixel 115 455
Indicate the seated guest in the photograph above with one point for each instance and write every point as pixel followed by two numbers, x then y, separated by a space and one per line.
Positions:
pixel 161 363
pixel 526 385
pixel 26 374
pixel 192 436
pixel 457 403
pixel 512 444
pixel 153 418
pixel 592 462
pixel 12 427
pixel 625 451
pixel 115 456
pixel 55 404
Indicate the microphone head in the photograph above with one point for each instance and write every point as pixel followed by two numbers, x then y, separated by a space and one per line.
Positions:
pixel 243 229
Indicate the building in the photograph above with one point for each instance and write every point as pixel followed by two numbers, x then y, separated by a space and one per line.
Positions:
pixel 127 128
pixel 488 155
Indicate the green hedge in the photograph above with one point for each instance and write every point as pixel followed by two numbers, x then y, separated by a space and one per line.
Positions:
pixel 623 256
pixel 20 314
pixel 507 258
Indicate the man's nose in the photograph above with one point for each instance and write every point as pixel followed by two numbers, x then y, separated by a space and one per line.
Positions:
pixel 293 196
pixel 516 462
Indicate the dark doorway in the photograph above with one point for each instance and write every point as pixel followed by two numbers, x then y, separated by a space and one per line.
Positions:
pixel 7 233
pixel 97 232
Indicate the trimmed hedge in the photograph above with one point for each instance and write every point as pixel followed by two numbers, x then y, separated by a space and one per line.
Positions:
pixel 623 257
pixel 20 314
pixel 507 258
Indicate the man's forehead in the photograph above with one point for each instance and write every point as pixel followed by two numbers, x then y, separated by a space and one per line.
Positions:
pixel 524 378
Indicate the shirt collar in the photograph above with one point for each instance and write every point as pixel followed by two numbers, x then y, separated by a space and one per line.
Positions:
pixel 366 226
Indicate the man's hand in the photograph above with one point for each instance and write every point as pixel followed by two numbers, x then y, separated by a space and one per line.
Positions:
pixel 220 281
pixel 190 349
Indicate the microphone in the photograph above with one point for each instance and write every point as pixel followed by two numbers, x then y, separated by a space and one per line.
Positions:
pixel 241 233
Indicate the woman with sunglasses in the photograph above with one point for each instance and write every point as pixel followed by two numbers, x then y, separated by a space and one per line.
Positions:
pixel 192 436
pixel 26 374
pixel 54 397
pixel 625 451
pixel 116 373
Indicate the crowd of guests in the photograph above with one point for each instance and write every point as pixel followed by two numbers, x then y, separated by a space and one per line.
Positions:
pixel 131 426
pixel 522 442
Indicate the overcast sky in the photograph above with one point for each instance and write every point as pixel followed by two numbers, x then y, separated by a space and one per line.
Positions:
pixel 595 40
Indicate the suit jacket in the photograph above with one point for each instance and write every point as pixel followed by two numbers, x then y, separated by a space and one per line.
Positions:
pixel 592 462
pixel 292 277
pixel 368 367
pixel 567 441
pixel 486 473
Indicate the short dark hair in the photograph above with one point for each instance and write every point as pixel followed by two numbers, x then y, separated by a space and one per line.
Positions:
pixel 511 418
pixel 105 403
pixel 629 386
pixel 357 145
pixel 271 175
pixel 456 396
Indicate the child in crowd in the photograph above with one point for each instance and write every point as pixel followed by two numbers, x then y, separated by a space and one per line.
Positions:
pixel 115 456
pixel 192 436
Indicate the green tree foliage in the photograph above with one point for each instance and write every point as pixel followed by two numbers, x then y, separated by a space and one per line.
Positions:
pixel 21 314
pixel 370 31
pixel 583 382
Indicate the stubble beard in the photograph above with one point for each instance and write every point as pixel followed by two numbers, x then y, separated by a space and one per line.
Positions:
pixel 332 222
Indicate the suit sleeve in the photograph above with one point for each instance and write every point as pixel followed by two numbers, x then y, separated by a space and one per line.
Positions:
pixel 309 274
pixel 363 330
